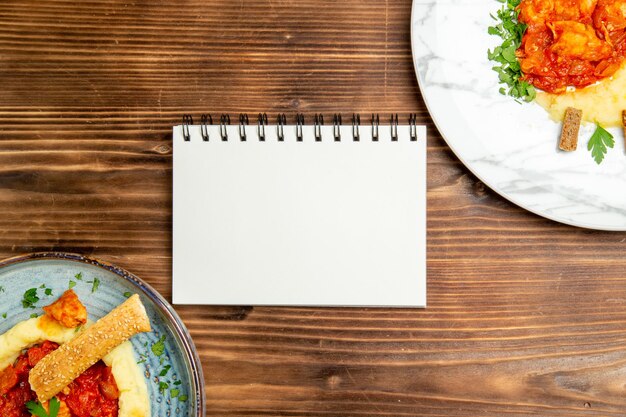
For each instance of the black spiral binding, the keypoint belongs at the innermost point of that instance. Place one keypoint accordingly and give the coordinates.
(318, 121)
(356, 122)
(413, 126)
(224, 120)
(394, 127)
(243, 122)
(187, 121)
(299, 125)
(337, 127)
(205, 120)
(280, 127)
(375, 124)
(262, 122)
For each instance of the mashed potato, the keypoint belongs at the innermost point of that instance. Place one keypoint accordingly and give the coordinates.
(133, 400)
(602, 102)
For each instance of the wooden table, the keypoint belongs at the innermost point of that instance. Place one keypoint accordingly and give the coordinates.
(525, 316)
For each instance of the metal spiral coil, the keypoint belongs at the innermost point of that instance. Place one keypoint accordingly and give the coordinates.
(356, 122)
(205, 120)
(243, 122)
(280, 127)
(187, 121)
(394, 127)
(262, 122)
(318, 121)
(337, 127)
(375, 124)
(299, 125)
(224, 120)
(413, 126)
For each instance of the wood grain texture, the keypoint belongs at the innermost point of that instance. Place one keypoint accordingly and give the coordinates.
(525, 316)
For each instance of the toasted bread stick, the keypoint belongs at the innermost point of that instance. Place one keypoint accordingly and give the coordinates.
(60, 367)
(569, 133)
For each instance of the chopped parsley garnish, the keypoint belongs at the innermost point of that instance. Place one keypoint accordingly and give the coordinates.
(48, 291)
(165, 370)
(72, 284)
(1, 289)
(599, 142)
(158, 348)
(36, 409)
(163, 386)
(79, 276)
(4, 315)
(30, 298)
(174, 392)
(127, 294)
(95, 285)
(182, 398)
(511, 30)
(32, 316)
(178, 382)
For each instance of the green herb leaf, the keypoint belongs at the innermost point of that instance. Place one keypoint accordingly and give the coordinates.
(30, 298)
(174, 392)
(163, 386)
(182, 398)
(598, 143)
(48, 291)
(511, 30)
(72, 284)
(127, 294)
(54, 406)
(95, 285)
(79, 276)
(32, 316)
(178, 382)
(35, 408)
(1, 289)
(4, 315)
(158, 348)
(165, 370)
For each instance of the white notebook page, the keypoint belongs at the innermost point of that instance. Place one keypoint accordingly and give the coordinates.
(299, 223)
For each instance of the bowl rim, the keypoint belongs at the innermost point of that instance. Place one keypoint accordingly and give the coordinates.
(164, 306)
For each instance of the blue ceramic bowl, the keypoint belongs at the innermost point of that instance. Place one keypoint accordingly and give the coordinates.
(101, 287)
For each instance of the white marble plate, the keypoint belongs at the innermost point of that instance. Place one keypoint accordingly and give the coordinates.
(511, 147)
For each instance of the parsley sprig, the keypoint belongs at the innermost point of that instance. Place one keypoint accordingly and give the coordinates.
(30, 298)
(511, 30)
(37, 409)
(599, 142)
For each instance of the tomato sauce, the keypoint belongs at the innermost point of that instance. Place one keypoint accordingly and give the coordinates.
(92, 394)
(571, 42)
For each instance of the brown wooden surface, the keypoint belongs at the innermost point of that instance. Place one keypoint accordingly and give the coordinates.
(525, 316)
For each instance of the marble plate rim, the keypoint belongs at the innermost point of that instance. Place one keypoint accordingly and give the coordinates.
(468, 165)
(189, 349)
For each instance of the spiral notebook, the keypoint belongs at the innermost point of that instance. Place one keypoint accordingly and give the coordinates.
(299, 214)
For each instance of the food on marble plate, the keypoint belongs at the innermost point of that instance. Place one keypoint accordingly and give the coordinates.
(569, 132)
(59, 364)
(564, 54)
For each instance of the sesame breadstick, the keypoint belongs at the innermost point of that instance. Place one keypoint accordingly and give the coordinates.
(56, 370)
